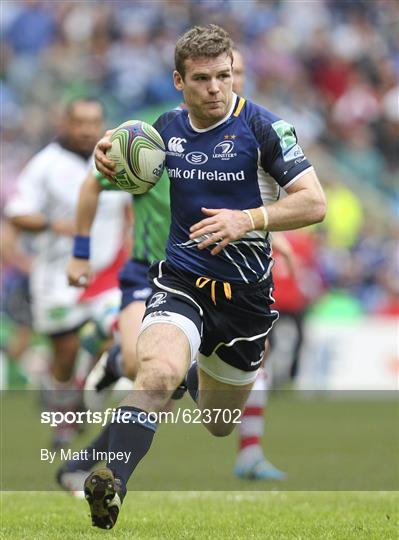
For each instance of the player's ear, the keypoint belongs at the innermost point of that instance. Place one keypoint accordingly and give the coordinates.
(178, 81)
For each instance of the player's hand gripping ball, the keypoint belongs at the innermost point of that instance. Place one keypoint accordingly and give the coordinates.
(139, 154)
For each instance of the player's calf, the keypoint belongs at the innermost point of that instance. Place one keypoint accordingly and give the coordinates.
(221, 403)
(219, 422)
(220, 430)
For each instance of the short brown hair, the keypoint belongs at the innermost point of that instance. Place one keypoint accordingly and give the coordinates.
(202, 41)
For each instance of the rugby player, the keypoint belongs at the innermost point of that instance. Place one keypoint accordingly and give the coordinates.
(227, 160)
(150, 232)
(44, 204)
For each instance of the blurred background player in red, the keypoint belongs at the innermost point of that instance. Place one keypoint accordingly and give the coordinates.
(296, 291)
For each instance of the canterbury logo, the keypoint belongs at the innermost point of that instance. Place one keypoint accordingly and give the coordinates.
(175, 144)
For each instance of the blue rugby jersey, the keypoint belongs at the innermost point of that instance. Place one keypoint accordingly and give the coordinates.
(240, 162)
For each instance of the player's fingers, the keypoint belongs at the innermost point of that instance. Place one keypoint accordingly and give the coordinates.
(212, 239)
(210, 229)
(105, 170)
(105, 143)
(104, 146)
(205, 243)
(221, 245)
(210, 211)
(109, 169)
(105, 162)
(203, 223)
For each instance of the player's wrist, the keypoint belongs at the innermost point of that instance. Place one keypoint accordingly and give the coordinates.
(258, 218)
(81, 247)
(250, 219)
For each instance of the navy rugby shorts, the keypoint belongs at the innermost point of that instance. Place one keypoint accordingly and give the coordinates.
(232, 320)
(133, 282)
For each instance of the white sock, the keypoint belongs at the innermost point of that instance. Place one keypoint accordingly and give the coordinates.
(251, 428)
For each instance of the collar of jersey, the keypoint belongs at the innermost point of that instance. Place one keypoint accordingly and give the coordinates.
(213, 126)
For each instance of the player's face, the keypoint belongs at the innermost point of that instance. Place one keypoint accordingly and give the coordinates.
(207, 88)
(83, 126)
(238, 73)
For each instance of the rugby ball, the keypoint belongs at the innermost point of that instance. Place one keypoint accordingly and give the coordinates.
(139, 154)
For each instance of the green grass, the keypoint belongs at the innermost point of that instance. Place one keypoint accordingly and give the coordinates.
(208, 515)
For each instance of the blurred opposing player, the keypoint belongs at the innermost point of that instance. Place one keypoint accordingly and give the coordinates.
(44, 203)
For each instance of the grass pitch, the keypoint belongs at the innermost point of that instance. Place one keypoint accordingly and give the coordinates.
(208, 515)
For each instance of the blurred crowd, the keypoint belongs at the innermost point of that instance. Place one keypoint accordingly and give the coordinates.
(330, 67)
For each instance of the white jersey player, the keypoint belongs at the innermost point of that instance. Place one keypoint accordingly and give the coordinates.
(44, 203)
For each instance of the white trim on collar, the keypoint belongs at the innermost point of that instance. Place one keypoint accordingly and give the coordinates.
(213, 126)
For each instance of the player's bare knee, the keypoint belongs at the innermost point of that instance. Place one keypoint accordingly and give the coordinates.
(160, 375)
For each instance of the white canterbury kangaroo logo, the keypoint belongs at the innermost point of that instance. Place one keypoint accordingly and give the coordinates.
(175, 144)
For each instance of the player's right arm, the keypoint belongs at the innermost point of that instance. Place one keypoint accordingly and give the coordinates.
(79, 270)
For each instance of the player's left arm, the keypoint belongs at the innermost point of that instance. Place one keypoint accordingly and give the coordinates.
(304, 205)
